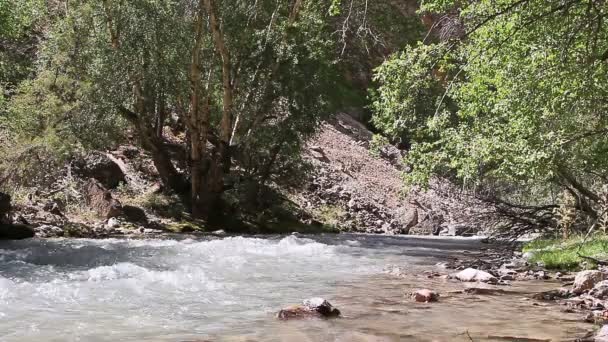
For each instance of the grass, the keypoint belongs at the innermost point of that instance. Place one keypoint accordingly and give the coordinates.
(564, 254)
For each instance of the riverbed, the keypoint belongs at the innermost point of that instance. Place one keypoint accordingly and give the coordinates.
(228, 289)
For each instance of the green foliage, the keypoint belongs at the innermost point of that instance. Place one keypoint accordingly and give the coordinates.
(331, 215)
(407, 92)
(564, 254)
(523, 97)
(377, 143)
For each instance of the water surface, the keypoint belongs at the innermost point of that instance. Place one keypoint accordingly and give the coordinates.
(229, 289)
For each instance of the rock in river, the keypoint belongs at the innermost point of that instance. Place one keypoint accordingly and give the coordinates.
(310, 308)
(471, 274)
(586, 280)
(424, 296)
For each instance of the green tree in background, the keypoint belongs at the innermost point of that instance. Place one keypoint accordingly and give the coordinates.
(250, 81)
(518, 96)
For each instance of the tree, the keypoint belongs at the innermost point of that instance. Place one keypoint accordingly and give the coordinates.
(248, 80)
(522, 96)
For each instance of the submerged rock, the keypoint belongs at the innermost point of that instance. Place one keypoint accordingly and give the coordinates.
(586, 280)
(424, 296)
(16, 232)
(310, 308)
(473, 275)
(484, 291)
(560, 293)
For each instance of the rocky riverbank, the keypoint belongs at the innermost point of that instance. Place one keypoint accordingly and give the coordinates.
(493, 271)
(349, 185)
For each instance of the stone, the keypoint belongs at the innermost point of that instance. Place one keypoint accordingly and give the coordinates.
(100, 200)
(310, 308)
(586, 280)
(602, 334)
(473, 275)
(424, 296)
(16, 231)
(48, 231)
(113, 222)
(600, 290)
(408, 218)
(99, 166)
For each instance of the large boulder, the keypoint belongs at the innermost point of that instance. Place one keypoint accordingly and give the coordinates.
(100, 200)
(600, 290)
(408, 218)
(473, 275)
(15, 231)
(310, 308)
(99, 166)
(586, 280)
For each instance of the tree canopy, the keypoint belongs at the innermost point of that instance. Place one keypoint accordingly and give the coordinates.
(518, 95)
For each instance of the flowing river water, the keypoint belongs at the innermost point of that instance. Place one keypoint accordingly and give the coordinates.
(228, 289)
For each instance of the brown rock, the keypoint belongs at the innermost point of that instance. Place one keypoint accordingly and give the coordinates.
(310, 308)
(424, 296)
(100, 200)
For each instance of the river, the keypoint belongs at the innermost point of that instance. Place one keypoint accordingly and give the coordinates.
(228, 289)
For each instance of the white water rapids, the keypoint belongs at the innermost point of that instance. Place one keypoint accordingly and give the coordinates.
(210, 289)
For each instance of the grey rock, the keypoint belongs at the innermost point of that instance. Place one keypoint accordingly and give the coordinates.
(600, 290)
(48, 231)
(586, 280)
(473, 275)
